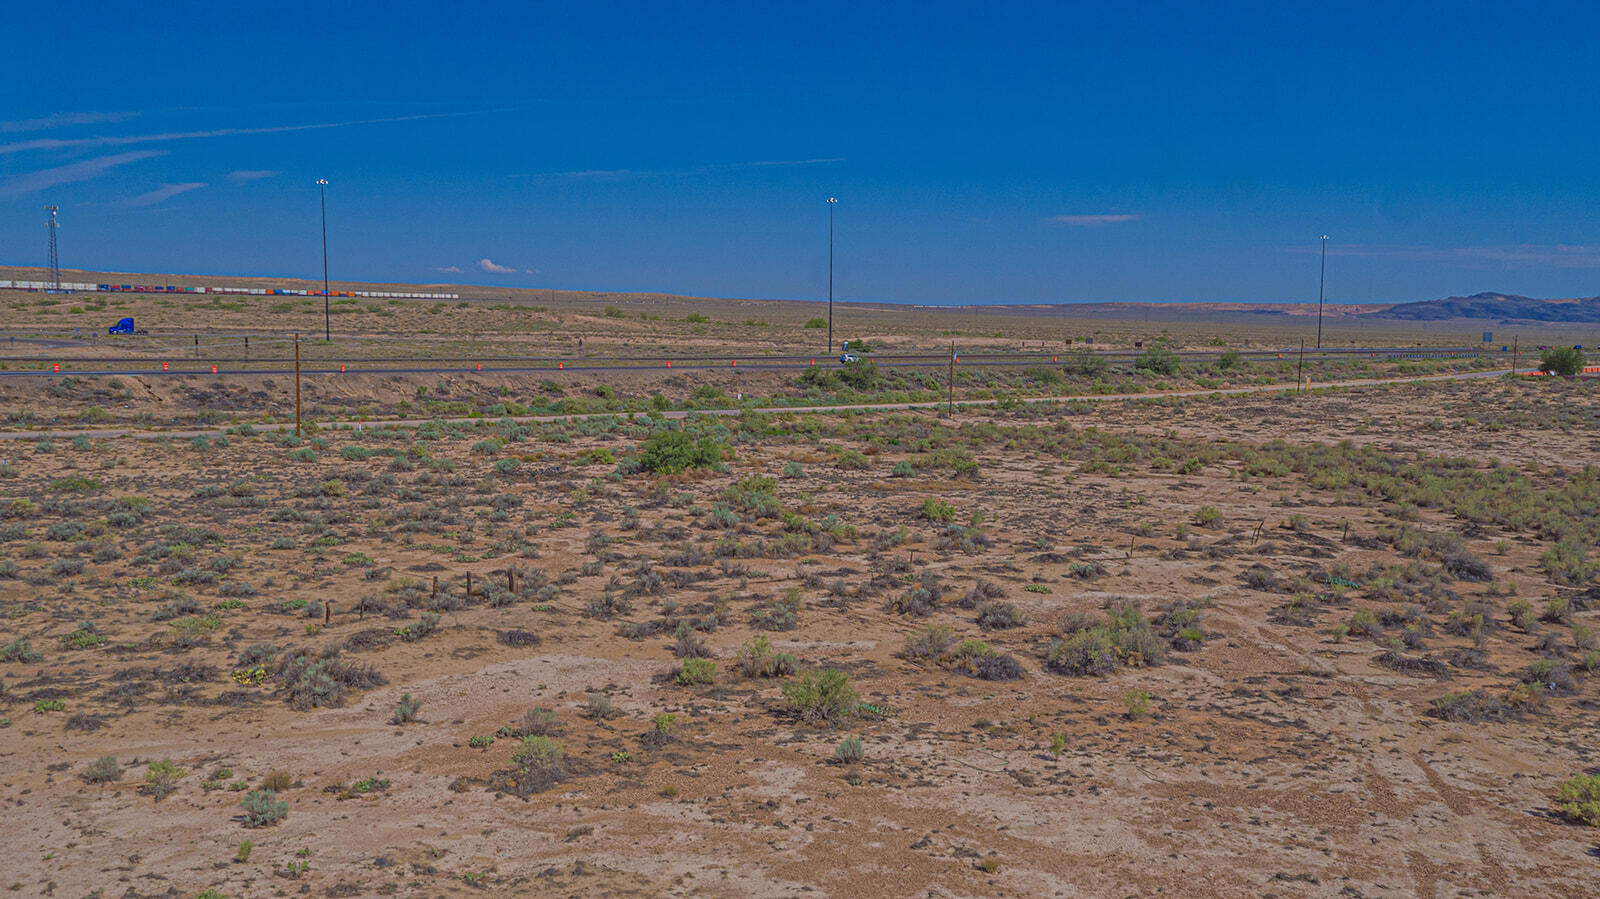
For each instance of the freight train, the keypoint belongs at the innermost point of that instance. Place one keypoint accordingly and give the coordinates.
(244, 291)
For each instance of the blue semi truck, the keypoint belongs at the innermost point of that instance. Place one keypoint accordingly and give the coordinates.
(125, 326)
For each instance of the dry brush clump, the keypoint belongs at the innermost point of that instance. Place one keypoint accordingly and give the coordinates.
(1123, 637)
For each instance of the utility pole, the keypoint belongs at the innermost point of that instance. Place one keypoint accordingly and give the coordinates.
(1514, 354)
(950, 404)
(831, 202)
(327, 314)
(297, 384)
(1321, 282)
(1300, 378)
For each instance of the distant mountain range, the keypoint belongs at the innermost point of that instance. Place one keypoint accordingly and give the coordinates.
(1496, 306)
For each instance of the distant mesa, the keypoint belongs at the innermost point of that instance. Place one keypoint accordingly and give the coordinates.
(1496, 306)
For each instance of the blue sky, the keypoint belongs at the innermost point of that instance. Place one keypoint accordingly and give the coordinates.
(980, 153)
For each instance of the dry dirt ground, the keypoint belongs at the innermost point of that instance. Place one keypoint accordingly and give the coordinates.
(1347, 648)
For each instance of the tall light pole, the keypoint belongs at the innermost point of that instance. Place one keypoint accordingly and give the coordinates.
(1322, 280)
(327, 313)
(831, 202)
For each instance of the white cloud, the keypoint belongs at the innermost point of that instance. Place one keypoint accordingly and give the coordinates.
(1094, 220)
(489, 266)
(452, 269)
(242, 175)
(84, 170)
(531, 271)
(164, 193)
(66, 120)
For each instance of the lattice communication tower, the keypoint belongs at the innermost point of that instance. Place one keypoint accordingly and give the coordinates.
(55, 261)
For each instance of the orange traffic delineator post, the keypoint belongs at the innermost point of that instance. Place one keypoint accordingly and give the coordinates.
(163, 366)
(480, 366)
(213, 369)
(1055, 358)
(736, 363)
(341, 366)
(813, 362)
(56, 366)
(561, 365)
(669, 363)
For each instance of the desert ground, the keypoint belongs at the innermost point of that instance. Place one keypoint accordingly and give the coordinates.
(549, 638)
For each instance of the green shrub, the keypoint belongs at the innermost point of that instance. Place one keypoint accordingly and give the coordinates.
(937, 510)
(102, 770)
(19, 650)
(902, 469)
(535, 722)
(1520, 611)
(930, 642)
(757, 659)
(1579, 799)
(697, 671)
(822, 696)
(1364, 623)
(161, 778)
(850, 750)
(1125, 637)
(405, 711)
(670, 452)
(263, 808)
(1087, 652)
(816, 322)
(1137, 702)
(538, 764)
(1158, 360)
(1565, 361)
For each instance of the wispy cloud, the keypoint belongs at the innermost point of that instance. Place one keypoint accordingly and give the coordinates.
(66, 120)
(240, 176)
(68, 143)
(601, 174)
(83, 170)
(1520, 255)
(619, 174)
(764, 163)
(490, 266)
(450, 269)
(1093, 220)
(164, 193)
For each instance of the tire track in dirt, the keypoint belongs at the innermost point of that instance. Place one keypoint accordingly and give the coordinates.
(1463, 807)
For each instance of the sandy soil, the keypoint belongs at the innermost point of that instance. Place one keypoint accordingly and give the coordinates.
(1278, 758)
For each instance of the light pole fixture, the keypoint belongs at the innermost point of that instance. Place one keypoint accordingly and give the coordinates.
(831, 202)
(1322, 280)
(327, 313)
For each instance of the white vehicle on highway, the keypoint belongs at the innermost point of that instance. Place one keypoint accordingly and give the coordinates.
(849, 357)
